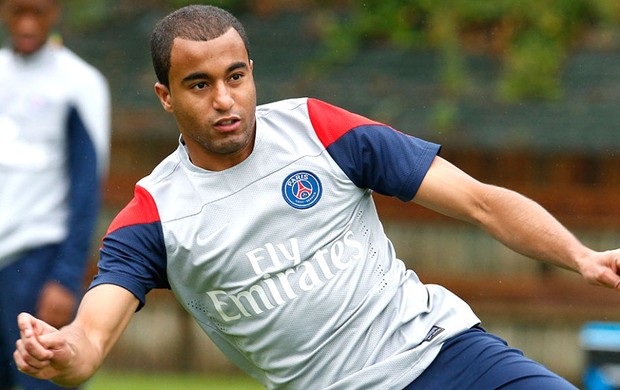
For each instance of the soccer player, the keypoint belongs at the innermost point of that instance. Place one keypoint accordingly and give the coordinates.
(54, 146)
(262, 223)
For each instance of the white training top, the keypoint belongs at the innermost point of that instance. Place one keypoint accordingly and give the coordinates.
(54, 147)
(282, 259)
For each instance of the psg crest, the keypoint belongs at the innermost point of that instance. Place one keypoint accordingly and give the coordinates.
(302, 189)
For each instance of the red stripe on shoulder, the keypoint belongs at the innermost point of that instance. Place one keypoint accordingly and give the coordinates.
(140, 210)
(331, 122)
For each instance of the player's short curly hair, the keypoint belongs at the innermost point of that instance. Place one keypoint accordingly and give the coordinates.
(194, 22)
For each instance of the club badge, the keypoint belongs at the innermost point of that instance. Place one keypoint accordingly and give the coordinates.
(302, 189)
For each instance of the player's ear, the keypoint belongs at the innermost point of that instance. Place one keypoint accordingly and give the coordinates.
(163, 93)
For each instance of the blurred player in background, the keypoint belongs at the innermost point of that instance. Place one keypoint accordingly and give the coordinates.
(54, 147)
(262, 223)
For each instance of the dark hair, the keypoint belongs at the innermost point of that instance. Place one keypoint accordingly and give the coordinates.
(194, 22)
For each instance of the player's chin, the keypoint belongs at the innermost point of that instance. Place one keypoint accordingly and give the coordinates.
(27, 46)
(231, 144)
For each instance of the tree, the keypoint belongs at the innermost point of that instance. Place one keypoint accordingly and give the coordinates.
(531, 38)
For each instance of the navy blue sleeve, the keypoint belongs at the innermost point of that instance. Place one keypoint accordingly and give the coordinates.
(83, 203)
(385, 160)
(370, 153)
(133, 255)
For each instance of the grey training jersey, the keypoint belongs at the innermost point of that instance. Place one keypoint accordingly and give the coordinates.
(282, 259)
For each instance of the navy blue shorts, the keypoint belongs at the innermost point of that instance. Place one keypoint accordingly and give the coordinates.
(20, 285)
(479, 360)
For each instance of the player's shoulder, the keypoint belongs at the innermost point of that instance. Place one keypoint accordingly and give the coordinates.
(5, 58)
(308, 105)
(172, 187)
(74, 65)
(281, 106)
(163, 172)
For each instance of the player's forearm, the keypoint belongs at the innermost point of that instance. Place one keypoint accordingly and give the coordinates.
(103, 315)
(526, 227)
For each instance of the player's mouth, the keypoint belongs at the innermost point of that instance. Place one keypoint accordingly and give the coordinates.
(229, 124)
(26, 44)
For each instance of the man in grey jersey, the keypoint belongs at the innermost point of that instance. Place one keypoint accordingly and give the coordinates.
(263, 216)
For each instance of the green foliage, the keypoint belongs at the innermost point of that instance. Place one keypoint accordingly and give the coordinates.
(531, 38)
(82, 15)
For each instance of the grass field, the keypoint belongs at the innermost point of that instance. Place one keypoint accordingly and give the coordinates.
(106, 380)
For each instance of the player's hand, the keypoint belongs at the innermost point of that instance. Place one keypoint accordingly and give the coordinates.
(42, 351)
(56, 305)
(603, 269)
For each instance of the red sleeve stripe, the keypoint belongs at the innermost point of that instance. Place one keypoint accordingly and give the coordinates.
(140, 210)
(331, 123)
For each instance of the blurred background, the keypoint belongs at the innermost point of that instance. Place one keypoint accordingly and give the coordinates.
(520, 93)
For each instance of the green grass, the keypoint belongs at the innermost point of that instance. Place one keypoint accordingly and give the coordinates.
(107, 380)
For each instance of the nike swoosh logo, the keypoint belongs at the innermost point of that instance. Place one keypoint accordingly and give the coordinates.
(204, 240)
